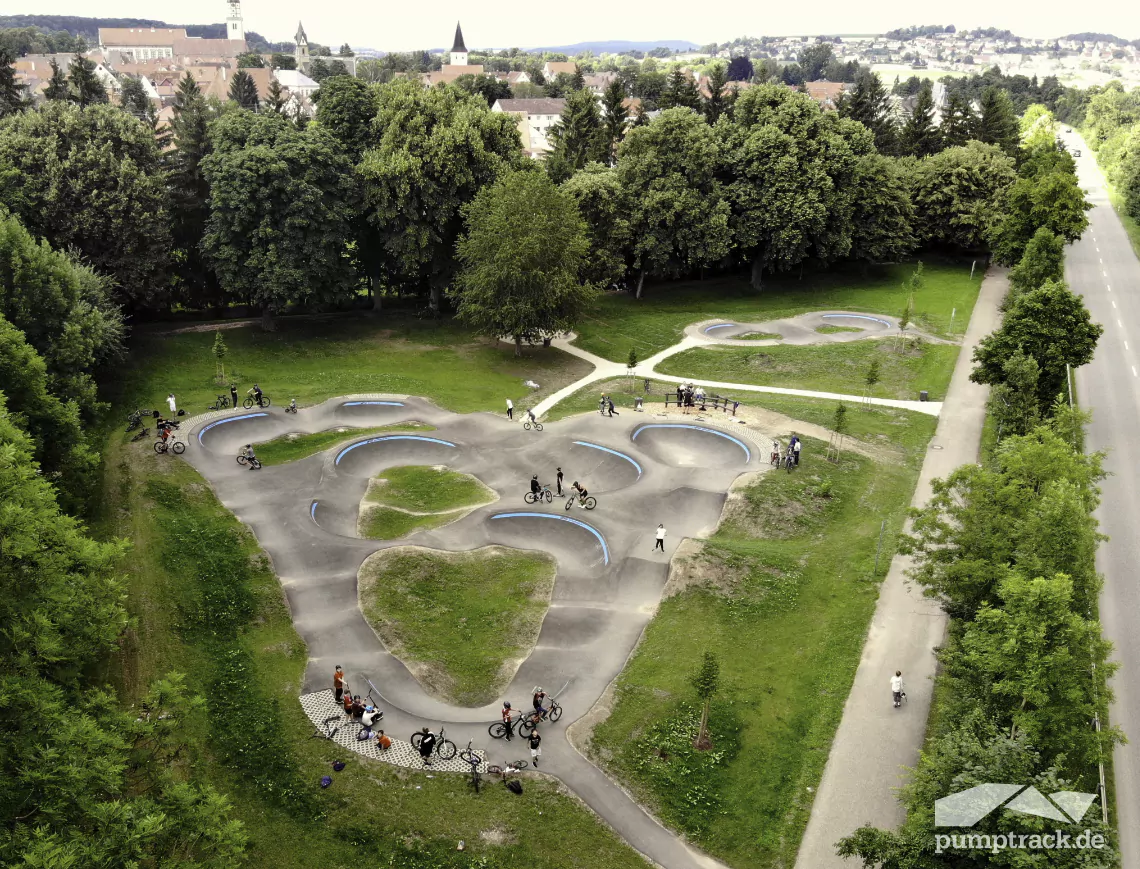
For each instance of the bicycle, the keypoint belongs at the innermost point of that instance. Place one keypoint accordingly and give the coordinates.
(471, 757)
(135, 418)
(221, 402)
(255, 462)
(176, 447)
(444, 747)
(536, 498)
(527, 723)
(142, 433)
(263, 402)
(588, 503)
(774, 459)
(501, 729)
(789, 462)
(527, 425)
(324, 731)
(291, 407)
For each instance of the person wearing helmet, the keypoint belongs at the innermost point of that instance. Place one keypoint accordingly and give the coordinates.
(539, 696)
(250, 458)
(370, 716)
(256, 393)
(581, 492)
(507, 712)
(535, 487)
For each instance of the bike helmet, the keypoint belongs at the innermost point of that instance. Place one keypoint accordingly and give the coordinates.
(506, 704)
(534, 476)
(247, 446)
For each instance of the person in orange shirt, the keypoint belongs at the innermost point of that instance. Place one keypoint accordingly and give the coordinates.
(382, 741)
(347, 703)
(338, 682)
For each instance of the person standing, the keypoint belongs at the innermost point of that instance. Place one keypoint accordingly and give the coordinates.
(233, 394)
(535, 747)
(558, 480)
(510, 409)
(173, 405)
(796, 452)
(427, 745)
(660, 544)
(338, 682)
(897, 688)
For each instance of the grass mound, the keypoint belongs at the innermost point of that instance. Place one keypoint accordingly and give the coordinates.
(835, 330)
(461, 621)
(759, 336)
(417, 498)
(289, 448)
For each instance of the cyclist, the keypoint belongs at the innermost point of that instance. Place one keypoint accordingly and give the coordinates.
(256, 393)
(582, 493)
(507, 718)
(165, 433)
(535, 486)
(536, 700)
(250, 458)
(530, 416)
(775, 458)
(292, 405)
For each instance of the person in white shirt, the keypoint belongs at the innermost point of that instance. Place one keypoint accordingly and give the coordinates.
(371, 716)
(510, 409)
(172, 404)
(796, 454)
(897, 688)
(660, 544)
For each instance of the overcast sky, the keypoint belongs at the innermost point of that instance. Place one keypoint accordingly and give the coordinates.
(403, 25)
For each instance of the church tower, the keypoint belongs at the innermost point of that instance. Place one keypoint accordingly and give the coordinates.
(235, 28)
(458, 49)
(301, 52)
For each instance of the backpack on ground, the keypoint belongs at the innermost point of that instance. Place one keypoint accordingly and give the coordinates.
(514, 786)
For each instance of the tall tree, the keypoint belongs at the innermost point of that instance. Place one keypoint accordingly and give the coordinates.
(814, 59)
(433, 151)
(92, 179)
(870, 105)
(959, 123)
(275, 98)
(250, 60)
(86, 89)
(243, 90)
(615, 118)
(346, 51)
(740, 69)
(577, 138)
(346, 107)
(920, 136)
(680, 91)
(12, 96)
(882, 223)
(1050, 324)
(706, 682)
(520, 259)
(597, 192)
(189, 195)
(1054, 201)
(717, 102)
(57, 89)
(1013, 403)
(1043, 260)
(134, 100)
(998, 122)
(677, 212)
(280, 205)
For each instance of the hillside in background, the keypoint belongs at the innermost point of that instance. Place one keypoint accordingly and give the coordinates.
(615, 46)
(88, 28)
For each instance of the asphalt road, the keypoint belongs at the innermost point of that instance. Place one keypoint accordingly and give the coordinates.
(1103, 269)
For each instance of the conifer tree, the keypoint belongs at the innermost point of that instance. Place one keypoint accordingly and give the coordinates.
(86, 89)
(959, 122)
(616, 117)
(870, 104)
(578, 138)
(12, 97)
(57, 85)
(243, 91)
(920, 135)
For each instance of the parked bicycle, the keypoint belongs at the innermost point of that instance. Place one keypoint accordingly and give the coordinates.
(588, 503)
(140, 435)
(539, 497)
(221, 402)
(444, 747)
(135, 418)
(251, 401)
(169, 446)
(255, 462)
(527, 424)
(470, 756)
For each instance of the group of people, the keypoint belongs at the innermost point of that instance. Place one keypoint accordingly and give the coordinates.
(361, 710)
(689, 396)
(538, 713)
(606, 405)
(794, 446)
(511, 413)
(576, 488)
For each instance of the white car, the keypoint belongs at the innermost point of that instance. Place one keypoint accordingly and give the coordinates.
(1068, 129)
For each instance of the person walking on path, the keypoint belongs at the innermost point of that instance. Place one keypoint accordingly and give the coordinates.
(173, 405)
(660, 544)
(535, 747)
(338, 682)
(610, 406)
(233, 393)
(510, 409)
(558, 480)
(796, 450)
(897, 688)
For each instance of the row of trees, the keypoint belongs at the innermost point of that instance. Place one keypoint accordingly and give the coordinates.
(1008, 548)
(1112, 118)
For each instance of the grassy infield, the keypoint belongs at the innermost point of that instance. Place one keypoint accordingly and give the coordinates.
(787, 622)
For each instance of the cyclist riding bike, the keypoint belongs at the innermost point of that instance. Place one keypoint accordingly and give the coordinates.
(775, 457)
(530, 416)
(250, 458)
(255, 391)
(293, 405)
(582, 493)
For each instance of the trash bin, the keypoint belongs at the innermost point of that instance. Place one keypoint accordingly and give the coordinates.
(924, 396)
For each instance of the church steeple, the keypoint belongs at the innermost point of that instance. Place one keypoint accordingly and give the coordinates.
(301, 52)
(458, 49)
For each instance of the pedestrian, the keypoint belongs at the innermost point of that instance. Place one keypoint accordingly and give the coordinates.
(510, 409)
(647, 385)
(535, 747)
(796, 452)
(233, 393)
(558, 481)
(735, 405)
(897, 688)
(173, 405)
(610, 405)
(338, 682)
(660, 544)
(427, 745)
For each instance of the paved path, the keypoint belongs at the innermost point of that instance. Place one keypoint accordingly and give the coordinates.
(1102, 268)
(875, 740)
(697, 335)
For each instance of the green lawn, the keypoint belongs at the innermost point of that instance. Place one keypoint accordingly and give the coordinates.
(759, 336)
(904, 369)
(620, 322)
(834, 330)
(383, 523)
(290, 448)
(783, 596)
(427, 489)
(383, 814)
(461, 620)
(621, 389)
(312, 360)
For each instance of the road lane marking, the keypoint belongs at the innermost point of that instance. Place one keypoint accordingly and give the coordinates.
(1125, 345)
(1133, 374)
(1114, 303)
(1118, 323)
